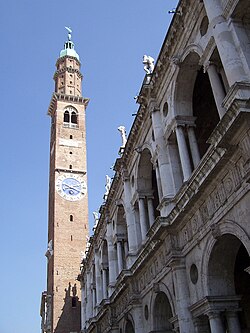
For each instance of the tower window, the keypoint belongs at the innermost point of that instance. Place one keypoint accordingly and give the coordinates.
(71, 136)
(74, 117)
(66, 117)
(74, 302)
(71, 218)
(70, 152)
(71, 238)
(70, 166)
(70, 117)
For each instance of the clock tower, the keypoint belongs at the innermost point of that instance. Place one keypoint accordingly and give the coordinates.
(68, 199)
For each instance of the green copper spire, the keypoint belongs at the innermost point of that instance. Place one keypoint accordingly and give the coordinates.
(69, 47)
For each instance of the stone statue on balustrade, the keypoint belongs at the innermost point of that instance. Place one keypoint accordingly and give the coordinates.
(148, 62)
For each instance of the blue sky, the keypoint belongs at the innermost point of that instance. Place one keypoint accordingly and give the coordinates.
(111, 37)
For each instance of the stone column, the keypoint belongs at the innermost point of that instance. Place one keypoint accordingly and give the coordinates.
(137, 313)
(125, 249)
(130, 218)
(112, 257)
(98, 279)
(143, 219)
(83, 306)
(201, 325)
(217, 87)
(183, 151)
(163, 161)
(158, 178)
(182, 296)
(151, 214)
(88, 297)
(215, 321)
(233, 322)
(104, 282)
(227, 49)
(93, 299)
(193, 146)
(119, 256)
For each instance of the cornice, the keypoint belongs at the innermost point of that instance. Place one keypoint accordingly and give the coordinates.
(61, 59)
(65, 98)
(67, 69)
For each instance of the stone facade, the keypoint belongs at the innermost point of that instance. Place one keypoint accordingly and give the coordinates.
(170, 252)
(68, 200)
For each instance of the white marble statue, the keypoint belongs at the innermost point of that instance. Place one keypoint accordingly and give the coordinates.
(148, 64)
(96, 217)
(69, 32)
(122, 130)
(87, 243)
(108, 185)
(50, 247)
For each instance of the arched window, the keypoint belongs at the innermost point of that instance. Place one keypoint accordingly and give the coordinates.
(73, 117)
(66, 117)
(70, 118)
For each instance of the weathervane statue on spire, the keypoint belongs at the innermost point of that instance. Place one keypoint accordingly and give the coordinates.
(69, 32)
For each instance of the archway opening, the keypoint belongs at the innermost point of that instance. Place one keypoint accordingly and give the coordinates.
(121, 232)
(161, 314)
(228, 278)
(147, 187)
(205, 110)
(129, 328)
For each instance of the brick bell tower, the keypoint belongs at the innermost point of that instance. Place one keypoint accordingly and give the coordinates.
(68, 198)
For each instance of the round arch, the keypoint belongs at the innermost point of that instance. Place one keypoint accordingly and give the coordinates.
(128, 324)
(161, 289)
(185, 81)
(226, 273)
(224, 227)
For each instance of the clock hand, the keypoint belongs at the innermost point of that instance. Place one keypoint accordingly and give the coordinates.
(72, 187)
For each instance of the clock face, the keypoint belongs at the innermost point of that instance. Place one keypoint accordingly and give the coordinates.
(71, 187)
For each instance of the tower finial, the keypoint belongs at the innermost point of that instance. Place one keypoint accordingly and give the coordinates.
(69, 46)
(69, 32)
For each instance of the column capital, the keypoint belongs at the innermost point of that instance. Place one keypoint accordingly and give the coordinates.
(177, 262)
(214, 314)
(153, 106)
(208, 64)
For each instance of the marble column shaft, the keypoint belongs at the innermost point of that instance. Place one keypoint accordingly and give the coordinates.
(143, 221)
(119, 256)
(216, 324)
(130, 218)
(88, 296)
(217, 88)
(193, 146)
(183, 151)
(112, 257)
(224, 40)
(233, 322)
(98, 280)
(104, 282)
(163, 162)
(182, 297)
(151, 214)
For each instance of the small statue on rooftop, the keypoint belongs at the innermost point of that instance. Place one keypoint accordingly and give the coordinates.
(122, 130)
(108, 185)
(69, 32)
(148, 62)
(96, 217)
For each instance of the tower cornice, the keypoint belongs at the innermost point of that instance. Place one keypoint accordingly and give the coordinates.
(62, 59)
(67, 69)
(66, 98)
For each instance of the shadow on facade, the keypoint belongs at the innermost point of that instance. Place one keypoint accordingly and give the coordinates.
(70, 319)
